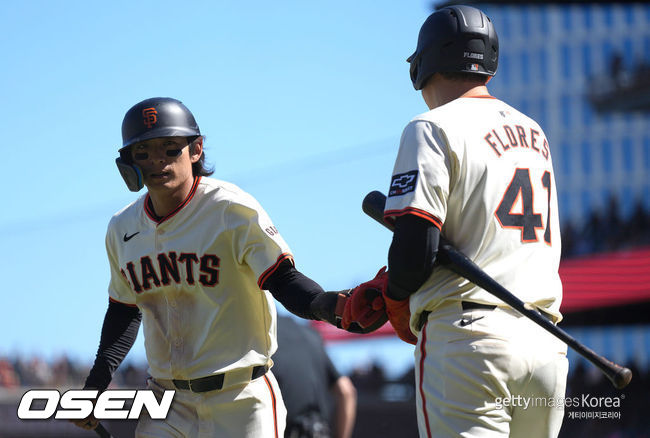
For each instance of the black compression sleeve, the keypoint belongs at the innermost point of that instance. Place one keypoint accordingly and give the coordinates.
(119, 331)
(293, 289)
(411, 255)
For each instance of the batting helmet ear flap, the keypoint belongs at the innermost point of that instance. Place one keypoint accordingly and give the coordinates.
(413, 68)
(131, 174)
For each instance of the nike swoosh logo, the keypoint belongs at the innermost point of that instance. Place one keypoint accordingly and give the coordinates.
(465, 322)
(127, 238)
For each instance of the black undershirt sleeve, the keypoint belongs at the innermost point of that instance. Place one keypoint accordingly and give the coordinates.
(411, 255)
(119, 331)
(293, 289)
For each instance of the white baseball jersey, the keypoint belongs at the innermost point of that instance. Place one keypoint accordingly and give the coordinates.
(482, 172)
(196, 275)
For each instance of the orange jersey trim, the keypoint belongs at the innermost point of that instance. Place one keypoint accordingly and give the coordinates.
(113, 300)
(152, 214)
(388, 215)
(266, 274)
(482, 96)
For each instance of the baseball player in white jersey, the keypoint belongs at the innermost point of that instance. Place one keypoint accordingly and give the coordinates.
(479, 172)
(199, 262)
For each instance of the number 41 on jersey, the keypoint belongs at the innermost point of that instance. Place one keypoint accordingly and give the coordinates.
(521, 187)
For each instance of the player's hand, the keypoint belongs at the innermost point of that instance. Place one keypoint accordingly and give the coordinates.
(360, 310)
(399, 315)
(328, 307)
(88, 423)
(364, 310)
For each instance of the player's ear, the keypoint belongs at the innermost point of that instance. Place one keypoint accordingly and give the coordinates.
(196, 149)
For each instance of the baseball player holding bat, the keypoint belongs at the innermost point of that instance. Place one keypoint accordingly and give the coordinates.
(199, 261)
(480, 172)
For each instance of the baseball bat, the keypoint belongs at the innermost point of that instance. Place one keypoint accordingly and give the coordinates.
(102, 432)
(448, 256)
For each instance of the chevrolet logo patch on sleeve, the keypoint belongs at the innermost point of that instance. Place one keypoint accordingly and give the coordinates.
(403, 183)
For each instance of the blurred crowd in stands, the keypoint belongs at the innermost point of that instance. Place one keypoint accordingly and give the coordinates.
(607, 231)
(35, 372)
(627, 420)
(635, 75)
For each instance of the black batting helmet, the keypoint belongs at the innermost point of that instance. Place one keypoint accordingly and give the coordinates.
(455, 39)
(157, 117)
(153, 118)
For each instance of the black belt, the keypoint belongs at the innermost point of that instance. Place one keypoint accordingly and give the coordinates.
(469, 305)
(214, 382)
(466, 305)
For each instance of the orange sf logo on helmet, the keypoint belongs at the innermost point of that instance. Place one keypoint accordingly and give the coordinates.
(149, 117)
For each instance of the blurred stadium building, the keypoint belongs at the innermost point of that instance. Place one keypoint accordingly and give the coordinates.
(582, 71)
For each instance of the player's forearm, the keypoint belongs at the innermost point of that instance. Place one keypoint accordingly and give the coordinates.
(293, 289)
(411, 255)
(119, 331)
(345, 404)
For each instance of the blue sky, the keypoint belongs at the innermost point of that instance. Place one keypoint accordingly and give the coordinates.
(302, 104)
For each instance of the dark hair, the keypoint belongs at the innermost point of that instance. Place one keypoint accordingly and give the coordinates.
(462, 76)
(199, 168)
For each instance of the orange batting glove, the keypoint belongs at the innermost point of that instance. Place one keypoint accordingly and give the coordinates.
(399, 315)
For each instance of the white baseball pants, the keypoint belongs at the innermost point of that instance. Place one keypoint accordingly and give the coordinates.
(253, 410)
(488, 373)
